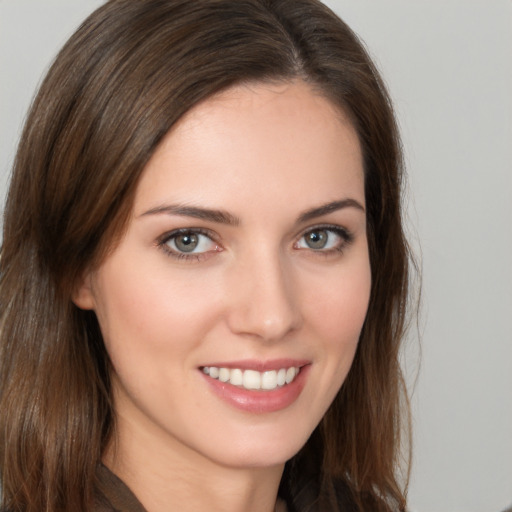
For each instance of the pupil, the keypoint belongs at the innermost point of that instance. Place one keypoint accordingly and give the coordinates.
(317, 239)
(186, 243)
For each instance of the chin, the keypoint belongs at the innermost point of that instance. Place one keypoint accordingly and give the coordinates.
(259, 450)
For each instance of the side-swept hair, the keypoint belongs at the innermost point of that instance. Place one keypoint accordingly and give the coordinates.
(131, 70)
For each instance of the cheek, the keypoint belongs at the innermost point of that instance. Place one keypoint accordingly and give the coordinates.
(340, 306)
(337, 313)
(145, 314)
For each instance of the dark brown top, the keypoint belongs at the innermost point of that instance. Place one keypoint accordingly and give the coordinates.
(112, 494)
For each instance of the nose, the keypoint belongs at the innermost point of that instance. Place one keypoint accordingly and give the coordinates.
(264, 302)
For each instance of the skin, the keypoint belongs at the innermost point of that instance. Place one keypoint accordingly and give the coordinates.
(263, 154)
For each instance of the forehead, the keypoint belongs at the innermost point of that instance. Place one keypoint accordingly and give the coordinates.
(255, 142)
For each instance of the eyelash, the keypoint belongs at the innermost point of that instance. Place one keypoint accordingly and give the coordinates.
(163, 241)
(345, 236)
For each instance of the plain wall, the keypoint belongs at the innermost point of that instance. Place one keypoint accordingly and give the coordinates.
(449, 68)
(448, 64)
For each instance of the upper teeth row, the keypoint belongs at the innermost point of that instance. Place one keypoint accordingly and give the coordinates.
(252, 379)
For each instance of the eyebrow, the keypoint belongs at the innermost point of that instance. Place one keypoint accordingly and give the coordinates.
(329, 208)
(223, 217)
(219, 216)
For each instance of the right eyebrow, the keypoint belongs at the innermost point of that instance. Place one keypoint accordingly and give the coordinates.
(218, 216)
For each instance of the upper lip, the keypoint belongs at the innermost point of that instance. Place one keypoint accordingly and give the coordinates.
(259, 365)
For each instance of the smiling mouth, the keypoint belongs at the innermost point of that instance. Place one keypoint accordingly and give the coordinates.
(253, 380)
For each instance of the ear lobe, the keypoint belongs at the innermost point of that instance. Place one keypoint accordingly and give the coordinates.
(83, 296)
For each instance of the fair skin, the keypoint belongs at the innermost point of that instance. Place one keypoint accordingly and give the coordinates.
(268, 275)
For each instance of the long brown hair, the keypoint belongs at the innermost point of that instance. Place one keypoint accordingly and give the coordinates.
(124, 78)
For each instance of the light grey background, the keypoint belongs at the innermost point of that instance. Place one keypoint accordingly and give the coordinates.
(448, 64)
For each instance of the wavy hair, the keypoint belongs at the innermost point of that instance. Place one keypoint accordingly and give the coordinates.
(127, 75)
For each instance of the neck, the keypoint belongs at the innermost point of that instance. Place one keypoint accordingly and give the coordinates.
(171, 476)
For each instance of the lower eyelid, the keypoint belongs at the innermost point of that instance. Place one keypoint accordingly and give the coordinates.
(191, 256)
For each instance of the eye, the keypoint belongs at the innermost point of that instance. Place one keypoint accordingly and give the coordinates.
(183, 243)
(324, 239)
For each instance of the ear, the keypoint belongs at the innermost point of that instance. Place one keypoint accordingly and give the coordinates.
(83, 296)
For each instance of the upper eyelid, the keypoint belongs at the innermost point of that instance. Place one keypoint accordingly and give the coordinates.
(180, 231)
(327, 227)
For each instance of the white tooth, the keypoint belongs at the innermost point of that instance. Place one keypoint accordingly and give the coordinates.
(224, 374)
(206, 370)
(281, 377)
(214, 372)
(269, 380)
(237, 377)
(252, 379)
(290, 375)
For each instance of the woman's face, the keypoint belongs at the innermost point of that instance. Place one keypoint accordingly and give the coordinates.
(232, 307)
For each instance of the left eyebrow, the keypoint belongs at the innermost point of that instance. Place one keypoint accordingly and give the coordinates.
(329, 208)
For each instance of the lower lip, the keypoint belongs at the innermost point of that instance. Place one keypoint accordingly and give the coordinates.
(260, 401)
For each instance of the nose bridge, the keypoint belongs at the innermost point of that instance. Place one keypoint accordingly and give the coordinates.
(264, 300)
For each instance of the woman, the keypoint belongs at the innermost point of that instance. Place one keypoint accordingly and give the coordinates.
(203, 274)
